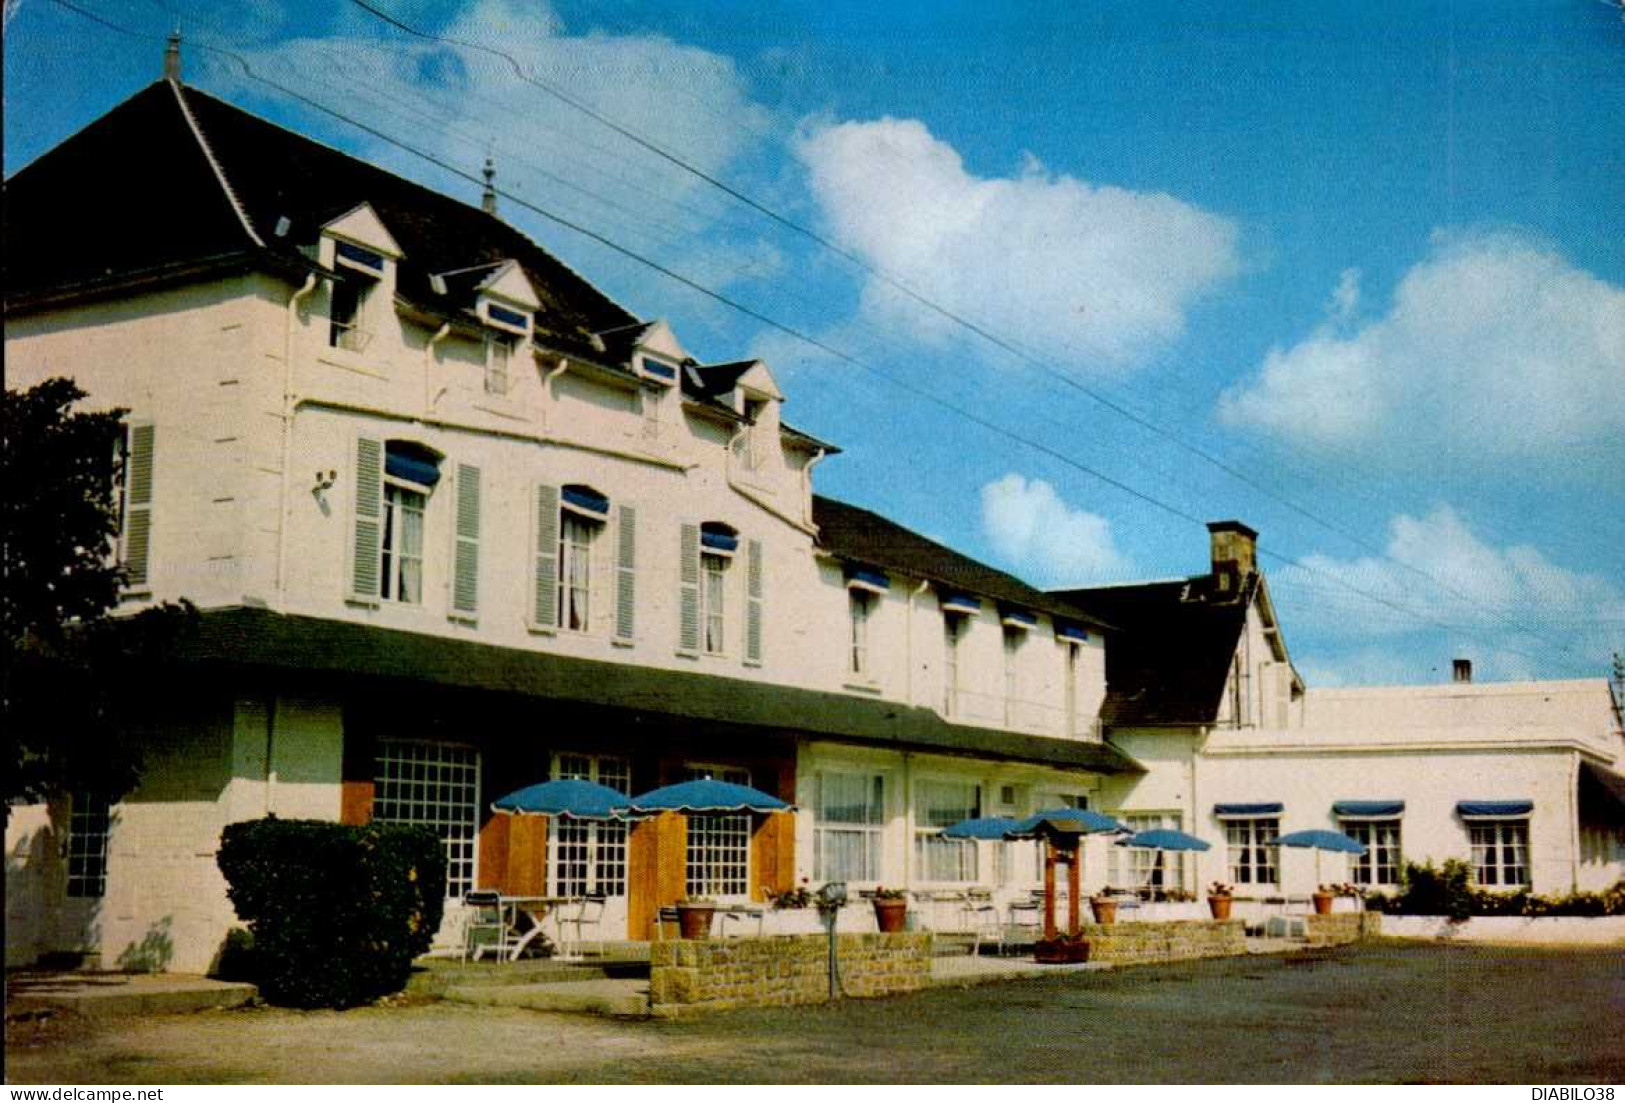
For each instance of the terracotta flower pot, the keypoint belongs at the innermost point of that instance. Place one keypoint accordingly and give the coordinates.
(1323, 903)
(1105, 910)
(694, 920)
(1220, 906)
(890, 915)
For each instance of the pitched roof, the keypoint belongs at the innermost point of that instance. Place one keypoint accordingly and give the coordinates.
(859, 534)
(257, 639)
(137, 191)
(1169, 663)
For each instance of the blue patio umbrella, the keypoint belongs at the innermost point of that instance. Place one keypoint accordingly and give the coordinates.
(1062, 821)
(1163, 838)
(1319, 839)
(982, 827)
(704, 795)
(570, 798)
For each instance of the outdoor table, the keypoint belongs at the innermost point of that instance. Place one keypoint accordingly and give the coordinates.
(535, 909)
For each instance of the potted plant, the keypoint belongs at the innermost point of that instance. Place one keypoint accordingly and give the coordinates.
(694, 915)
(791, 899)
(1323, 897)
(1061, 950)
(1104, 907)
(891, 909)
(1219, 900)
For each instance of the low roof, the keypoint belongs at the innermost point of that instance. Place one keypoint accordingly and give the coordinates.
(860, 534)
(1169, 664)
(260, 639)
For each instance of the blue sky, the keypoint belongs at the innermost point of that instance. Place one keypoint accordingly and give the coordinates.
(1350, 273)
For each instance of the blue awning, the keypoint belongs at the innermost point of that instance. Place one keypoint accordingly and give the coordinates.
(867, 578)
(1368, 809)
(585, 497)
(718, 540)
(1070, 632)
(1017, 618)
(957, 601)
(1266, 808)
(1494, 809)
(419, 469)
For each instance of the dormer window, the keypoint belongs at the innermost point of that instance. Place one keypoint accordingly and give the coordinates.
(347, 310)
(354, 256)
(657, 370)
(512, 320)
(499, 349)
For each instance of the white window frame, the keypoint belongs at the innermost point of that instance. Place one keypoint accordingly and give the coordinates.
(714, 572)
(868, 832)
(954, 627)
(1491, 840)
(1253, 851)
(500, 347)
(930, 848)
(394, 560)
(580, 536)
(1137, 868)
(1379, 867)
(860, 608)
(589, 857)
(718, 860)
(90, 825)
(435, 785)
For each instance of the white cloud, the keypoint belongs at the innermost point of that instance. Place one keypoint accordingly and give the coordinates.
(1494, 349)
(1345, 296)
(1029, 525)
(1096, 275)
(461, 104)
(1484, 594)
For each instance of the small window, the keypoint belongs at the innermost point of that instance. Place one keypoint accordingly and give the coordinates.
(953, 634)
(1501, 853)
(347, 314)
(1254, 855)
(861, 603)
(1012, 651)
(499, 349)
(89, 824)
(1379, 866)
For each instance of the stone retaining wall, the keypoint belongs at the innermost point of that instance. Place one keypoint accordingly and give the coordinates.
(687, 976)
(1338, 928)
(1177, 940)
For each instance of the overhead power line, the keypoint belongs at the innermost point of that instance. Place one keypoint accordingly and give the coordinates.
(781, 327)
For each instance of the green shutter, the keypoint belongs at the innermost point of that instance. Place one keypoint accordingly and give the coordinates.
(365, 562)
(465, 584)
(688, 588)
(138, 506)
(544, 612)
(626, 574)
(753, 601)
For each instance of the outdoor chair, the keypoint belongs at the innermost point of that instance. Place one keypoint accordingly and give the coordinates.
(981, 918)
(484, 926)
(663, 916)
(586, 912)
(737, 914)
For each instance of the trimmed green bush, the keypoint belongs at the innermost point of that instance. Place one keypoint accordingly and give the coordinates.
(337, 912)
(1448, 890)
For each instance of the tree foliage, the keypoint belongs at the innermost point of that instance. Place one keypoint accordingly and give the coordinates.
(68, 666)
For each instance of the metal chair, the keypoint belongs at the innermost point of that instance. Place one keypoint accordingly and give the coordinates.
(485, 926)
(981, 918)
(586, 912)
(664, 915)
(738, 913)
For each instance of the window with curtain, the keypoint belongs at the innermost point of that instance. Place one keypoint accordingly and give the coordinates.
(939, 804)
(1501, 853)
(1254, 855)
(850, 814)
(1379, 866)
(1133, 868)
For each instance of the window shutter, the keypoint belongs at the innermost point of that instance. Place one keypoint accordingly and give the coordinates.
(753, 601)
(138, 506)
(1283, 695)
(465, 583)
(626, 574)
(365, 562)
(688, 588)
(544, 612)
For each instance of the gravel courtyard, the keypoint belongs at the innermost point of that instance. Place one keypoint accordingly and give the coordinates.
(1384, 1011)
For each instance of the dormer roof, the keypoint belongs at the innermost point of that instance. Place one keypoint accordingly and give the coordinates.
(77, 220)
(361, 226)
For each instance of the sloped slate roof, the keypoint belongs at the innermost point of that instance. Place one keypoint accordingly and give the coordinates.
(1169, 662)
(134, 192)
(858, 534)
(257, 639)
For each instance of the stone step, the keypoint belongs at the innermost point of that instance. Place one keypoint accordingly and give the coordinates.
(625, 998)
(435, 977)
(118, 995)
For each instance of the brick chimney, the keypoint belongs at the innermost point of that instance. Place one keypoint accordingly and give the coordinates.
(1235, 555)
(1461, 670)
